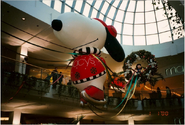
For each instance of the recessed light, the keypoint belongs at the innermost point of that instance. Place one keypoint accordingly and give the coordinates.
(23, 18)
(4, 118)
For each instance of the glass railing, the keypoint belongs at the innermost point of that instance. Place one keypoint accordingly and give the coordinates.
(35, 78)
(68, 91)
(43, 86)
(17, 80)
(27, 79)
(9, 65)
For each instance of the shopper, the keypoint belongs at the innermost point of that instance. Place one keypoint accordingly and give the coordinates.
(158, 93)
(168, 92)
(69, 83)
(55, 76)
(61, 78)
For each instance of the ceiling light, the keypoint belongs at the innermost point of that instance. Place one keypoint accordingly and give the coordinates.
(23, 18)
(4, 118)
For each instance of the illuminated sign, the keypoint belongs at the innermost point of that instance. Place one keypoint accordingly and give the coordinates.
(161, 113)
(174, 70)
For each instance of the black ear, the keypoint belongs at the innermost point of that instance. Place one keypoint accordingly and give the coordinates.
(114, 48)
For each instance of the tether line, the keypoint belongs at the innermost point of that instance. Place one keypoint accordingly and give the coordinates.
(33, 43)
(37, 36)
(33, 57)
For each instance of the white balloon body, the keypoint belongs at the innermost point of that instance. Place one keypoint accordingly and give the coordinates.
(96, 82)
(79, 30)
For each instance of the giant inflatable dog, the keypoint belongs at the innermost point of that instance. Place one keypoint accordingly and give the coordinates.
(87, 36)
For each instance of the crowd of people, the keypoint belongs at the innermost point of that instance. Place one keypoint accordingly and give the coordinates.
(168, 93)
(57, 78)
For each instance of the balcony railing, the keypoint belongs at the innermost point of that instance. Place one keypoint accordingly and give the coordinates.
(15, 79)
(43, 87)
(33, 85)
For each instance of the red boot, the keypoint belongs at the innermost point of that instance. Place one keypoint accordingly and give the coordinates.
(95, 92)
(93, 95)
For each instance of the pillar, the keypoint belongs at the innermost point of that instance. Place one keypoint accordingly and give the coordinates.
(130, 121)
(139, 105)
(21, 67)
(16, 117)
(78, 123)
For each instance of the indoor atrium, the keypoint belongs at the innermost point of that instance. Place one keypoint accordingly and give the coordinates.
(92, 62)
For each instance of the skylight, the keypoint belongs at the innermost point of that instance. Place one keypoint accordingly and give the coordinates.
(138, 22)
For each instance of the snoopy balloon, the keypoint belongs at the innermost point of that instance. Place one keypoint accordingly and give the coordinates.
(87, 36)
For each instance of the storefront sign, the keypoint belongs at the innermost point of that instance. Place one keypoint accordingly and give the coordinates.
(175, 70)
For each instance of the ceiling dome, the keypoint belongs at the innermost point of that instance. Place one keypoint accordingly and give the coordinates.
(138, 22)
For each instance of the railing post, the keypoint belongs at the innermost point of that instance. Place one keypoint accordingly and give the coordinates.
(41, 74)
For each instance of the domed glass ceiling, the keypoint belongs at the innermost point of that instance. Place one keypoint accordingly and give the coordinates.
(138, 22)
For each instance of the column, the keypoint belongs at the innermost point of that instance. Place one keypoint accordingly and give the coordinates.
(21, 67)
(78, 123)
(139, 105)
(16, 117)
(130, 121)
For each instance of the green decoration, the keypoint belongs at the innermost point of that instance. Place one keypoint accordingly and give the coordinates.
(149, 72)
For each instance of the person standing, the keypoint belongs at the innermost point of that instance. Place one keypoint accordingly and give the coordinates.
(158, 93)
(55, 76)
(168, 92)
(168, 95)
(61, 78)
(69, 83)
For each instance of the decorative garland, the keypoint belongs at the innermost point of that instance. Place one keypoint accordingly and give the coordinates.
(148, 72)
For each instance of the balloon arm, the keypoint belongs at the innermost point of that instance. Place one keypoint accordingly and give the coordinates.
(105, 66)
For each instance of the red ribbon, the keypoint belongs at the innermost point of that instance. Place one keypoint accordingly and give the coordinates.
(56, 80)
(17, 90)
(24, 83)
